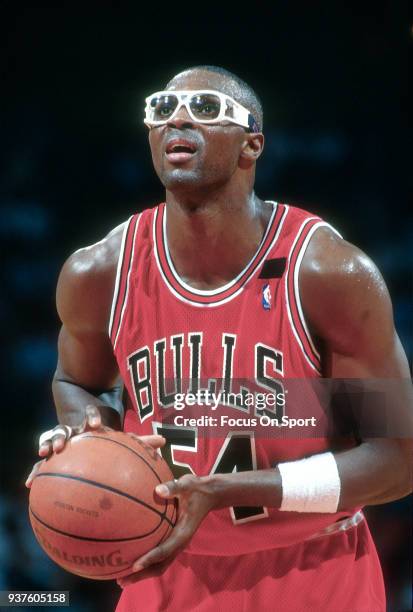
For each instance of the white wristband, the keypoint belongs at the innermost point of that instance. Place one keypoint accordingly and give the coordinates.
(59, 430)
(310, 485)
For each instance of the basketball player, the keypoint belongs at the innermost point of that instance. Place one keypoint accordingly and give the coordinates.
(216, 285)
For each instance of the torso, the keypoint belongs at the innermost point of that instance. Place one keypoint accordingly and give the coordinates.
(248, 336)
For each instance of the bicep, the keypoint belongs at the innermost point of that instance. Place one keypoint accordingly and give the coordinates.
(379, 389)
(372, 361)
(348, 304)
(83, 299)
(348, 307)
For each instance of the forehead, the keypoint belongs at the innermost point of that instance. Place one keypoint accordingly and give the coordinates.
(202, 79)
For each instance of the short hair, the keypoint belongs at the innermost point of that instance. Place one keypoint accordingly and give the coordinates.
(240, 91)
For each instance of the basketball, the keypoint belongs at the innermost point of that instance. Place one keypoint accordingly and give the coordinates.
(93, 507)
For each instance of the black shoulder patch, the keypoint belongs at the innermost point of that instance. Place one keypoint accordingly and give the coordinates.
(273, 268)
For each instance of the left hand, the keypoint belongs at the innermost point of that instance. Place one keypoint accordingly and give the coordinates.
(195, 499)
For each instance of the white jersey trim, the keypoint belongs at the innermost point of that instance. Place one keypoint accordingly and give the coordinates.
(210, 292)
(118, 274)
(125, 301)
(233, 295)
(296, 273)
(296, 286)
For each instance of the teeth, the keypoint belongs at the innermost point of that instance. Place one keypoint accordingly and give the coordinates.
(180, 148)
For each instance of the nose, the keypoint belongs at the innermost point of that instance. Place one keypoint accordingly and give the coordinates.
(181, 120)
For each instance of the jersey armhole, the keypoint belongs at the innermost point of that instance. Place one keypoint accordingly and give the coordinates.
(121, 291)
(294, 307)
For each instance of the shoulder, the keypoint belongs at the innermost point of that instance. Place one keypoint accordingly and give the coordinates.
(86, 283)
(344, 296)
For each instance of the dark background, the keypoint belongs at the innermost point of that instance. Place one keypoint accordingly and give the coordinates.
(333, 78)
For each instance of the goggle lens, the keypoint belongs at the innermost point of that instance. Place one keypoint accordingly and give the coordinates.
(203, 106)
(163, 107)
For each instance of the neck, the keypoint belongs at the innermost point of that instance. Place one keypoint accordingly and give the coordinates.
(211, 239)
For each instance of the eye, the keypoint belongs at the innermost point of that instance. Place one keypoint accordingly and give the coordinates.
(207, 108)
(203, 106)
(165, 110)
(210, 109)
(164, 107)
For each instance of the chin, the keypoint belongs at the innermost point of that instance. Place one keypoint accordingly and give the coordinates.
(180, 178)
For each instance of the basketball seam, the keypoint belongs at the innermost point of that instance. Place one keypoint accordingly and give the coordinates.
(79, 537)
(162, 515)
(128, 448)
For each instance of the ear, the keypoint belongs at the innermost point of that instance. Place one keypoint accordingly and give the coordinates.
(252, 148)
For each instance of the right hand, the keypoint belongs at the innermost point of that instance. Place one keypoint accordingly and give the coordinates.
(55, 442)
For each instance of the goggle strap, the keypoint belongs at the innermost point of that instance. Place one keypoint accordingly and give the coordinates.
(252, 124)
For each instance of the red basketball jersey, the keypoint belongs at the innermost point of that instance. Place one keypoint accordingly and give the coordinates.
(246, 337)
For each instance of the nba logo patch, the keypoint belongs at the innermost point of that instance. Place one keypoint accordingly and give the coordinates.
(266, 297)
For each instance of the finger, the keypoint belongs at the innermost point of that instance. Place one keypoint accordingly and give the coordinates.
(151, 572)
(170, 548)
(45, 448)
(168, 490)
(135, 576)
(33, 473)
(93, 417)
(131, 579)
(155, 441)
(58, 443)
(91, 420)
(59, 435)
(159, 555)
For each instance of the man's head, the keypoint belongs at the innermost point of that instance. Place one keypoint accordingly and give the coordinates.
(229, 83)
(190, 154)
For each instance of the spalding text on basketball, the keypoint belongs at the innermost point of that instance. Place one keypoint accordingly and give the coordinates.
(112, 559)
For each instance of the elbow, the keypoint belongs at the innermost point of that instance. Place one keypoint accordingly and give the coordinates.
(406, 467)
(403, 489)
(406, 484)
(395, 473)
(402, 477)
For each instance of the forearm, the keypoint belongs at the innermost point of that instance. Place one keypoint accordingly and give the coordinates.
(252, 488)
(71, 401)
(375, 472)
(288, 486)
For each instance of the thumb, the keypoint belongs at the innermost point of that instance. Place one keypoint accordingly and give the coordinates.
(92, 420)
(168, 490)
(33, 473)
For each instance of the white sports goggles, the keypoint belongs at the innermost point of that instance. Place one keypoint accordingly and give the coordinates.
(203, 106)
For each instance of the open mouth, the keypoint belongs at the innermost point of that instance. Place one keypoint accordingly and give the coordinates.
(178, 151)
